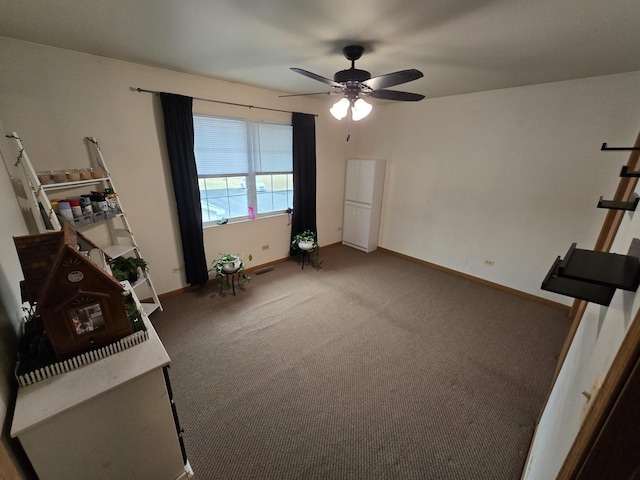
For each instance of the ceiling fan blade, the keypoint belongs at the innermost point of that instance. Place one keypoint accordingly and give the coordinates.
(397, 96)
(306, 94)
(328, 81)
(391, 79)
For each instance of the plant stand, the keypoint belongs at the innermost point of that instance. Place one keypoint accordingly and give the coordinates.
(305, 254)
(230, 275)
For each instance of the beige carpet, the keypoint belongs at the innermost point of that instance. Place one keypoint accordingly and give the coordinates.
(374, 367)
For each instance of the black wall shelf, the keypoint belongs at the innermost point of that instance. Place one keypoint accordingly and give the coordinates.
(591, 292)
(594, 276)
(630, 205)
(626, 173)
(626, 149)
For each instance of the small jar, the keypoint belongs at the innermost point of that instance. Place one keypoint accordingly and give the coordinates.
(44, 177)
(59, 176)
(73, 175)
(97, 173)
(85, 174)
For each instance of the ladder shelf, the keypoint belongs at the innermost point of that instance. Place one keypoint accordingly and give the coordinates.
(121, 236)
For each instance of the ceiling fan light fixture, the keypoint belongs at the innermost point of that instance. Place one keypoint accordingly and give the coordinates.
(360, 109)
(340, 109)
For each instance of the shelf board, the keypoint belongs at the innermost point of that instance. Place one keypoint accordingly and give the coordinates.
(594, 276)
(67, 185)
(606, 147)
(625, 172)
(629, 205)
(115, 251)
(149, 307)
(590, 292)
(602, 268)
(141, 280)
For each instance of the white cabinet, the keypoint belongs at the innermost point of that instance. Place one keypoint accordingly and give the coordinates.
(363, 203)
(356, 225)
(111, 419)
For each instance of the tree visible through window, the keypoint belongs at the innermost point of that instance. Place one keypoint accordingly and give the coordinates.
(242, 164)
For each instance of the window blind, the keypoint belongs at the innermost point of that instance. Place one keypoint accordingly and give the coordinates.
(222, 146)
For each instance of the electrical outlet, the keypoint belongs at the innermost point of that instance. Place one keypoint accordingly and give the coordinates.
(489, 262)
(265, 247)
(176, 269)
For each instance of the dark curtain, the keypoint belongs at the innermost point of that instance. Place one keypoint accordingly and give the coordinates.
(304, 173)
(178, 128)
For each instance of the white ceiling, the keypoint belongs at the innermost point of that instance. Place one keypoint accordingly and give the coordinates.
(460, 46)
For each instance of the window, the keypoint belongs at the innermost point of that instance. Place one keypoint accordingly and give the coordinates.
(242, 164)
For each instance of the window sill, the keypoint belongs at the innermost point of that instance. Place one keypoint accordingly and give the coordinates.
(245, 219)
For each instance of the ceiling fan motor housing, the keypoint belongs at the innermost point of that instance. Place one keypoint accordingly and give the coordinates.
(351, 75)
(352, 53)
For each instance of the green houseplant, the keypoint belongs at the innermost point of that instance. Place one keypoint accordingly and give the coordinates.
(229, 263)
(127, 268)
(306, 243)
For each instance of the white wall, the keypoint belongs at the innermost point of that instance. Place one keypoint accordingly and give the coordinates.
(11, 312)
(592, 351)
(512, 176)
(53, 98)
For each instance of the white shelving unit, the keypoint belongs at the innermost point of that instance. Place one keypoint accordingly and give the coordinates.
(122, 241)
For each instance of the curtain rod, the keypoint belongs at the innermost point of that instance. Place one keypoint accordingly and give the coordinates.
(224, 103)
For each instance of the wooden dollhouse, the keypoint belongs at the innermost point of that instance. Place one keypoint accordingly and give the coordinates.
(80, 304)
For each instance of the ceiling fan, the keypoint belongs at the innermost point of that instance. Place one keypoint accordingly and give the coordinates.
(356, 84)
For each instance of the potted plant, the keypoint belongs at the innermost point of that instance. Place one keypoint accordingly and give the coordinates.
(305, 243)
(127, 268)
(229, 263)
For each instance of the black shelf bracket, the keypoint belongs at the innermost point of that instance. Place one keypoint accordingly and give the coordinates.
(605, 147)
(625, 172)
(629, 205)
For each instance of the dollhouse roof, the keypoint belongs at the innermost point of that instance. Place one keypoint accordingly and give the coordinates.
(40, 256)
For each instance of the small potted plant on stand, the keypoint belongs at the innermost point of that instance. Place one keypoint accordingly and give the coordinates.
(230, 264)
(305, 243)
